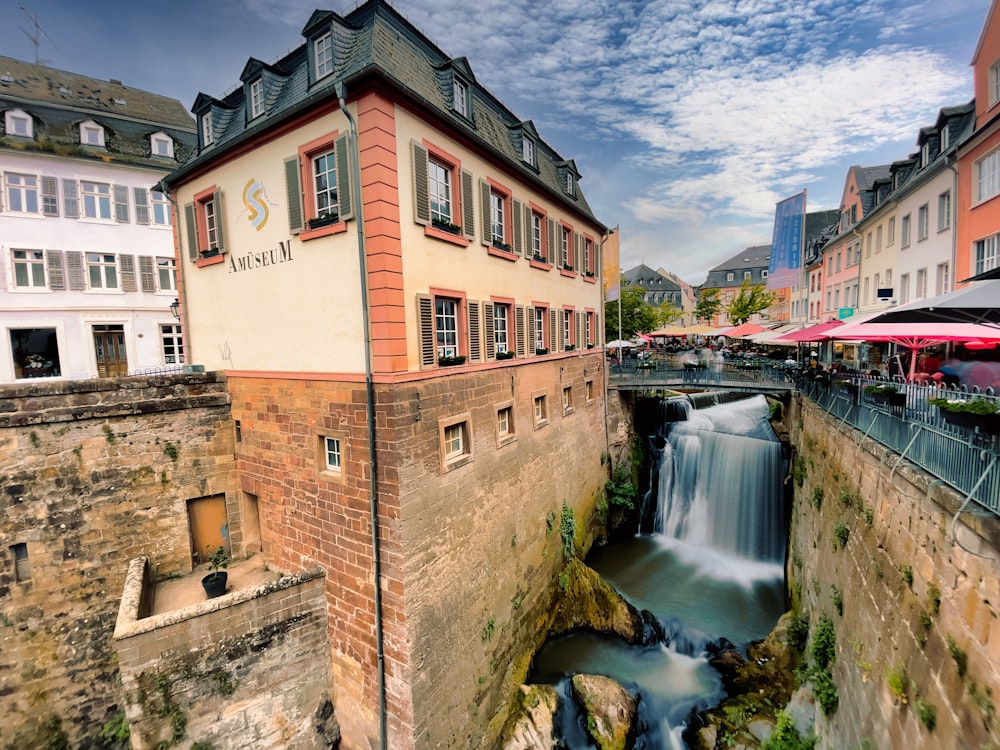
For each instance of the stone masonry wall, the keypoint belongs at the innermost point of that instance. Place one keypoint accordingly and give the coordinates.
(913, 596)
(246, 671)
(92, 474)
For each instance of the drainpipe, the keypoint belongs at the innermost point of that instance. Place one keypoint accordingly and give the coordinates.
(370, 408)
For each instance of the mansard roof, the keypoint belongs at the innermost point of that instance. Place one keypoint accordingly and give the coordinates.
(757, 256)
(374, 41)
(650, 280)
(58, 101)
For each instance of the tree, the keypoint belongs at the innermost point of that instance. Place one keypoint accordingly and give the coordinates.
(708, 305)
(749, 300)
(667, 314)
(638, 316)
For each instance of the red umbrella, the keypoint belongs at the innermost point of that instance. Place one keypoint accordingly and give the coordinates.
(818, 332)
(744, 329)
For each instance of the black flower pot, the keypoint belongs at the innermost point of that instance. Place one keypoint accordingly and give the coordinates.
(215, 584)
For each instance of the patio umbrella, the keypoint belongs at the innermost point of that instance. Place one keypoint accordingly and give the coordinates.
(818, 332)
(916, 336)
(619, 344)
(993, 273)
(744, 329)
(978, 304)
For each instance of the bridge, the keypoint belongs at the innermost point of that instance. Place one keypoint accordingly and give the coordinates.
(653, 375)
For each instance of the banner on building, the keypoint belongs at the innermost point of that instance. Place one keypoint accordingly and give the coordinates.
(786, 243)
(610, 270)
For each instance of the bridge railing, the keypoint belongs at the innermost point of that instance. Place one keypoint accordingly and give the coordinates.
(956, 442)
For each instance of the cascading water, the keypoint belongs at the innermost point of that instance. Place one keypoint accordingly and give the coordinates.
(708, 563)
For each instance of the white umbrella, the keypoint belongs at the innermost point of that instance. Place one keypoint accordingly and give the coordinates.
(619, 344)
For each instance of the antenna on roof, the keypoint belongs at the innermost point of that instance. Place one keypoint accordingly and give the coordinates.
(36, 37)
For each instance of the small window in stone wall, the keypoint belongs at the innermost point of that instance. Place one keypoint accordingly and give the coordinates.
(239, 431)
(22, 568)
(589, 389)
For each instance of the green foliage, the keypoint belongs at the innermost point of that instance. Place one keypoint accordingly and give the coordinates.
(774, 410)
(799, 470)
(218, 560)
(798, 631)
(708, 305)
(984, 700)
(488, 629)
(513, 540)
(109, 434)
(907, 573)
(787, 737)
(564, 581)
(925, 620)
(516, 602)
(550, 522)
(202, 746)
(880, 390)
(934, 597)
(33, 438)
(55, 738)
(823, 648)
(567, 528)
(171, 451)
(751, 299)
(817, 497)
(927, 713)
(620, 488)
(825, 690)
(838, 599)
(846, 497)
(841, 533)
(115, 734)
(869, 516)
(899, 683)
(637, 315)
(969, 406)
(960, 657)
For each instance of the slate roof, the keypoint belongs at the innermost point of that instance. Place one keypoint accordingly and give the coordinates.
(374, 40)
(58, 101)
(650, 280)
(757, 256)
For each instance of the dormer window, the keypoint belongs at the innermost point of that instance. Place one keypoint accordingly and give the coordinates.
(257, 98)
(207, 133)
(925, 154)
(162, 145)
(461, 93)
(19, 123)
(570, 183)
(528, 151)
(323, 55)
(91, 134)
(944, 138)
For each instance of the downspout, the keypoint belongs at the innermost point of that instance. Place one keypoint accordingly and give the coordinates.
(370, 408)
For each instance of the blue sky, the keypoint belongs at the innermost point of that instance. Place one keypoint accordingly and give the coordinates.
(689, 119)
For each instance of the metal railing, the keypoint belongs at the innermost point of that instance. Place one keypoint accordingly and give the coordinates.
(960, 449)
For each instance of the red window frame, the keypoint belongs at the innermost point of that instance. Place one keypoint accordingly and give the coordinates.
(201, 201)
(454, 165)
(508, 228)
(568, 316)
(462, 318)
(542, 215)
(544, 307)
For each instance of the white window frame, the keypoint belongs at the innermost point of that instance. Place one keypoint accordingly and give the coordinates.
(96, 200)
(528, 150)
(33, 264)
(106, 267)
(324, 183)
(207, 130)
(923, 222)
(904, 232)
(987, 176)
(890, 232)
(994, 83)
(162, 210)
(506, 425)
(985, 253)
(943, 278)
(256, 97)
(91, 134)
(501, 327)
(333, 457)
(921, 290)
(19, 123)
(539, 408)
(455, 441)
(461, 94)
(541, 315)
(730, 276)
(166, 270)
(498, 231)
(565, 241)
(211, 223)
(172, 344)
(567, 399)
(440, 189)
(537, 232)
(25, 187)
(446, 311)
(161, 145)
(323, 55)
(944, 211)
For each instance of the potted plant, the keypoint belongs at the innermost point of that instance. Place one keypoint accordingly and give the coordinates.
(538, 257)
(215, 582)
(501, 245)
(451, 361)
(324, 219)
(505, 355)
(539, 350)
(971, 413)
(880, 394)
(446, 226)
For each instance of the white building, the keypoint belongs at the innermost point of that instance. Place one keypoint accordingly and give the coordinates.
(88, 274)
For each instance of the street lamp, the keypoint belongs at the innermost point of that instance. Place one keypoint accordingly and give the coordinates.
(175, 309)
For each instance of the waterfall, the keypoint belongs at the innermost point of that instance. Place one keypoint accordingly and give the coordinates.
(717, 480)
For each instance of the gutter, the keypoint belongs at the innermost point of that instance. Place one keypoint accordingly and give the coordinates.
(370, 409)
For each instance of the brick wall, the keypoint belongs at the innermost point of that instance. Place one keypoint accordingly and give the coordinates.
(469, 551)
(92, 474)
(247, 671)
(900, 557)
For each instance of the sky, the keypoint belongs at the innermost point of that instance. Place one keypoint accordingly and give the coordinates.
(688, 119)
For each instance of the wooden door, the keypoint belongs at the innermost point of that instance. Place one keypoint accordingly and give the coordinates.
(209, 526)
(109, 346)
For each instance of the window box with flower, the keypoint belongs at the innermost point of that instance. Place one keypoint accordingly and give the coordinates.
(325, 219)
(446, 226)
(449, 361)
(505, 355)
(970, 413)
(501, 245)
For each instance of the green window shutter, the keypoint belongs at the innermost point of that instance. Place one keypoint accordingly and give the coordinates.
(529, 314)
(121, 204)
(293, 188)
(54, 264)
(475, 333)
(219, 220)
(127, 263)
(191, 224)
(50, 196)
(141, 196)
(345, 198)
(490, 334)
(518, 243)
(553, 243)
(147, 279)
(519, 329)
(71, 202)
(468, 209)
(421, 187)
(74, 271)
(553, 340)
(484, 205)
(425, 331)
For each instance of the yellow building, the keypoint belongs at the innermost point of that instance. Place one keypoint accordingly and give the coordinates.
(400, 279)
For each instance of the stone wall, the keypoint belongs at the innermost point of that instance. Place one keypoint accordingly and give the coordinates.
(246, 671)
(469, 547)
(92, 474)
(914, 596)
